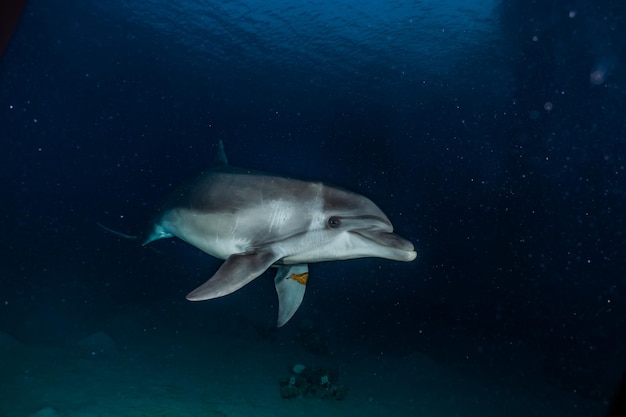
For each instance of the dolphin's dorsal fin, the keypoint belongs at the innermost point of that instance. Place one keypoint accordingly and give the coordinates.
(220, 155)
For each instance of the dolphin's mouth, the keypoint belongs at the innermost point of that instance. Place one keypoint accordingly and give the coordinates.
(403, 249)
(386, 239)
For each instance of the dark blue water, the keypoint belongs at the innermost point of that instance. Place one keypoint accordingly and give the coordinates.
(492, 134)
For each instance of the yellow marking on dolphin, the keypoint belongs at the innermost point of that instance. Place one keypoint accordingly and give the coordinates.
(300, 278)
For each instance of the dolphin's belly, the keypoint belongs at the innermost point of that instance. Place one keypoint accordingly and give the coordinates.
(222, 234)
(213, 233)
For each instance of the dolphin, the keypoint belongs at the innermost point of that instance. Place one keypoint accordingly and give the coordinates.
(255, 221)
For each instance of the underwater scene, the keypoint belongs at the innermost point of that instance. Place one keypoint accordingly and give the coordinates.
(286, 208)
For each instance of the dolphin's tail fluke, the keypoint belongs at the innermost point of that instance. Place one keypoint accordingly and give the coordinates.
(116, 233)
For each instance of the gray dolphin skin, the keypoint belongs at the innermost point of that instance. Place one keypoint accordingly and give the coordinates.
(255, 221)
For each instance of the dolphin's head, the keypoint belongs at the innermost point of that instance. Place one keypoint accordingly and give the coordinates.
(360, 229)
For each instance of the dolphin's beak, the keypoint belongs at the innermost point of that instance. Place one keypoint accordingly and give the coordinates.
(395, 247)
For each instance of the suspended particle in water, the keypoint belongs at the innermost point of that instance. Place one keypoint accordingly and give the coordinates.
(598, 75)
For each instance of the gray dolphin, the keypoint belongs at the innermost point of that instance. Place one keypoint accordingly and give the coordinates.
(255, 221)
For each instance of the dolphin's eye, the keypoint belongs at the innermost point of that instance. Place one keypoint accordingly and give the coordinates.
(334, 222)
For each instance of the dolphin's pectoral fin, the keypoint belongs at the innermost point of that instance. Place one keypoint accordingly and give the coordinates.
(238, 270)
(290, 282)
